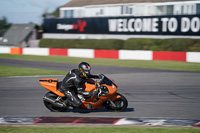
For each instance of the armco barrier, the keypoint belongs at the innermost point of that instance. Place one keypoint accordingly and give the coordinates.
(36, 51)
(169, 56)
(55, 51)
(109, 54)
(193, 57)
(135, 54)
(87, 53)
(5, 50)
(15, 50)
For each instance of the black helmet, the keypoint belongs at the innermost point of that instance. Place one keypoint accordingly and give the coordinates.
(84, 68)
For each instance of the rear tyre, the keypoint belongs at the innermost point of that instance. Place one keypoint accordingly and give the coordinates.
(120, 103)
(52, 107)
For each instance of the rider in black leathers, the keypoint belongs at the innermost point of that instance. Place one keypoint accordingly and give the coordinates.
(72, 83)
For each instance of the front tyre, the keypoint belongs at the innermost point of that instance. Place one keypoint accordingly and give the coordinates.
(52, 107)
(120, 104)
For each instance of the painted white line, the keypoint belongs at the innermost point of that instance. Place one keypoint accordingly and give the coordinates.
(124, 121)
(2, 120)
(157, 122)
(154, 122)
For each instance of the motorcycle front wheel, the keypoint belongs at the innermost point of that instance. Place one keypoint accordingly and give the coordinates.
(120, 104)
(52, 107)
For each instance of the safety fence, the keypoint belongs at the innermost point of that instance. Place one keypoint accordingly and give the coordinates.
(107, 54)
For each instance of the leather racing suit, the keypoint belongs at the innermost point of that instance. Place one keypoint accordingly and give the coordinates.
(71, 85)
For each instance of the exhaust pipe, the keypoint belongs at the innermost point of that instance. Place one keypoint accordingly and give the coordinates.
(53, 102)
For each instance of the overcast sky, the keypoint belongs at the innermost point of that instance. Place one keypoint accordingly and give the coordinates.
(25, 11)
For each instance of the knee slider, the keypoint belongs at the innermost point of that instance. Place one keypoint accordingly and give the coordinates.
(76, 105)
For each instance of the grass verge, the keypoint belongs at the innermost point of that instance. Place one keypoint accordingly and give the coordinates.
(22, 71)
(97, 130)
(168, 65)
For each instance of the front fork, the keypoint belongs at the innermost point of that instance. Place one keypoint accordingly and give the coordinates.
(116, 96)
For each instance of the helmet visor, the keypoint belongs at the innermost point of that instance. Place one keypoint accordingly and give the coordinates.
(86, 69)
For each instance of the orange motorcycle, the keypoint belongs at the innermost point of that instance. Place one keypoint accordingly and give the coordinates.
(107, 97)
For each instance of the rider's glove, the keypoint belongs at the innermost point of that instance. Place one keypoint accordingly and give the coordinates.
(97, 85)
(101, 76)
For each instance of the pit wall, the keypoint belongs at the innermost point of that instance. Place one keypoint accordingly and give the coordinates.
(107, 54)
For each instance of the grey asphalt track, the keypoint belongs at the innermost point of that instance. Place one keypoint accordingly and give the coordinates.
(150, 93)
(68, 67)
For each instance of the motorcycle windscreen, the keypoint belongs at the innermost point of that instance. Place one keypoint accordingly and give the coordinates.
(108, 81)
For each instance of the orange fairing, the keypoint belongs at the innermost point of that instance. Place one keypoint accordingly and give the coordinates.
(88, 87)
(51, 84)
(112, 89)
(98, 105)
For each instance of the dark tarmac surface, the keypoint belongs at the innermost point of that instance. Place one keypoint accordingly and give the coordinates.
(150, 93)
(67, 67)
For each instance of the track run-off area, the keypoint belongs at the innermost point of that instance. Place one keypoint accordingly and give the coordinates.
(151, 93)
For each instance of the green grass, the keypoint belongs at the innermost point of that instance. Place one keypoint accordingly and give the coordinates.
(167, 65)
(22, 71)
(97, 130)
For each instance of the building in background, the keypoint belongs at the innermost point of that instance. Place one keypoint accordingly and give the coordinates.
(119, 8)
(21, 35)
(126, 19)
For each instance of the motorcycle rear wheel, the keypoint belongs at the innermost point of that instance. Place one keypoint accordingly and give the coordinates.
(52, 107)
(120, 103)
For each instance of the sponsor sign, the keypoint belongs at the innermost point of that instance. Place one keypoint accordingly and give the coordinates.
(79, 26)
(151, 25)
